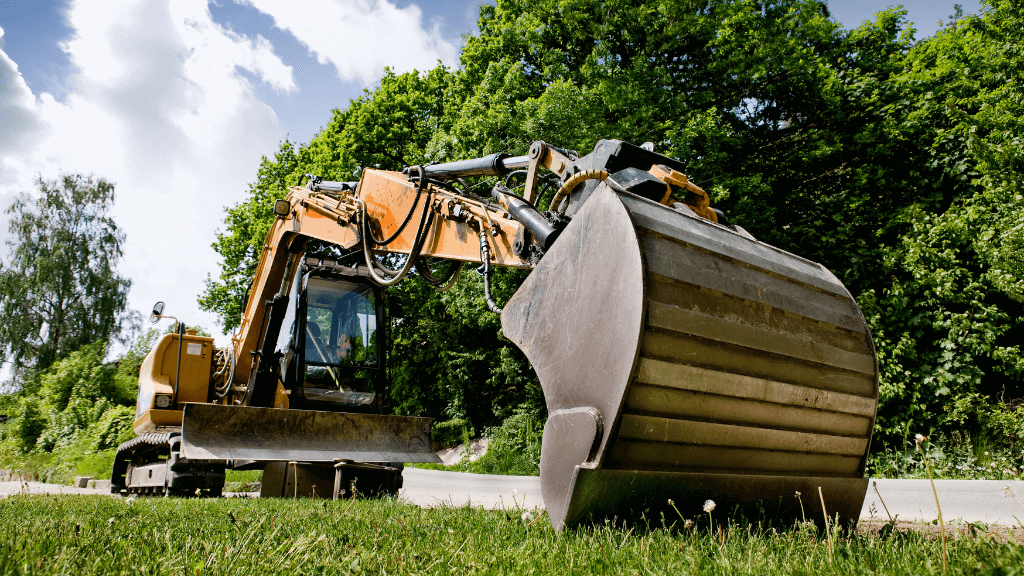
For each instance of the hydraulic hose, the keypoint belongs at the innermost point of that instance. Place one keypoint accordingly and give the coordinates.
(227, 372)
(572, 183)
(443, 283)
(485, 257)
(425, 220)
(419, 192)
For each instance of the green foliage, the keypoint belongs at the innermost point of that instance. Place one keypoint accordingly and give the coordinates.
(82, 375)
(71, 420)
(98, 535)
(61, 288)
(513, 449)
(242, 480)
(958, 457)
(514, 446)
(114, 427)
(947, 317)
(26, 425)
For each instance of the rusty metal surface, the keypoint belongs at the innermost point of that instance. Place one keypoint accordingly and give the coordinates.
(716, 364)
(635, 495)
(215, 432)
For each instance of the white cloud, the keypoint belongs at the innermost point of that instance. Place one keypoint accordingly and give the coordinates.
(158, 105)
(360, 37)
(20, 124)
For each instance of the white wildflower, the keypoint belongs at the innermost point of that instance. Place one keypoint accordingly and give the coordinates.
(709, 506)
(527, 517)
(688, 524)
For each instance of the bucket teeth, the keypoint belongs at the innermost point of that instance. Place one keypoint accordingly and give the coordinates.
(683, 360)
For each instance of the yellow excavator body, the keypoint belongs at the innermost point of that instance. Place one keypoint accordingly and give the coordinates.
(681, 359)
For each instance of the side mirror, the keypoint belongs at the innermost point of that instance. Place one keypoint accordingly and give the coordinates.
(158, 312)
(282, 208)
(395, 309)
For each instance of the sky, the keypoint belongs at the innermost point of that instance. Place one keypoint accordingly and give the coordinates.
(176, 102)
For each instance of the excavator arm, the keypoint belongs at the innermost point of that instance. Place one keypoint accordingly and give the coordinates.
(413, 218)
(680, 358)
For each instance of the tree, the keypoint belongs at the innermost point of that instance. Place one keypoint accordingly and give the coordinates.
(61, 289)
(893, 162)
(448, 358)
(947, 319)
(386, 128)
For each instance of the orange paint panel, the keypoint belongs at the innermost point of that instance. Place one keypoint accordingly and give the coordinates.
(389, 197)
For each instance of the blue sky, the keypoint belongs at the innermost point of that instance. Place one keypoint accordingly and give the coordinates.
(176, 102)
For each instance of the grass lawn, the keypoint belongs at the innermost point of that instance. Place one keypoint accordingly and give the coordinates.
(101, 535)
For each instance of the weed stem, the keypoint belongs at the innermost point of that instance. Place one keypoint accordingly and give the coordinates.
(920, 439)
(828, 527)
(875, 486)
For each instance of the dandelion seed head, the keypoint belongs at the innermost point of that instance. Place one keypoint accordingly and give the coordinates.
(688, 524)
(709, 506)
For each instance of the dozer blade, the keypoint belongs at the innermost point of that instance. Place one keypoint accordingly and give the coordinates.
(216, 432)
(682, 360)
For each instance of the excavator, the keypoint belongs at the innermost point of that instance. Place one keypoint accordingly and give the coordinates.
(680, 358)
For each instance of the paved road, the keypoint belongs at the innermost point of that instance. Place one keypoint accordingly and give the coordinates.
(437, 488)
(969, 500)
(13, 488)
(912, 500)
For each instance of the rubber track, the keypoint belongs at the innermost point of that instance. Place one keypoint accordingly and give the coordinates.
(125, 451)
(147, 439)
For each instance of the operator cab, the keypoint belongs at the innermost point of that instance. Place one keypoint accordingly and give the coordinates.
(332, 346)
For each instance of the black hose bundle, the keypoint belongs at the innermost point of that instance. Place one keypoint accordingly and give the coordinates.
(485, 258)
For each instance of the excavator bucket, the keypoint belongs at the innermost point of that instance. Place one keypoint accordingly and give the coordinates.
(682, 360)
(217, 432)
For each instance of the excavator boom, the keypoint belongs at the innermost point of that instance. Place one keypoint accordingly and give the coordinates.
(680, 358)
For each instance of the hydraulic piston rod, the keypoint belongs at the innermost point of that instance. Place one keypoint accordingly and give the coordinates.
(492, 165)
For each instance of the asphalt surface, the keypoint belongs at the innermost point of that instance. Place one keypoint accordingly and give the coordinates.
(16, 488)
(909, 500)
(968, 500)
(438, 488)
(986, 501)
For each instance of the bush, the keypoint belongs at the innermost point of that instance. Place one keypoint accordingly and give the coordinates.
(452, 432)
(114, 427)
(959, 457)
(1005, 425)
(27, 424)
(515, 445)
(71, 417)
